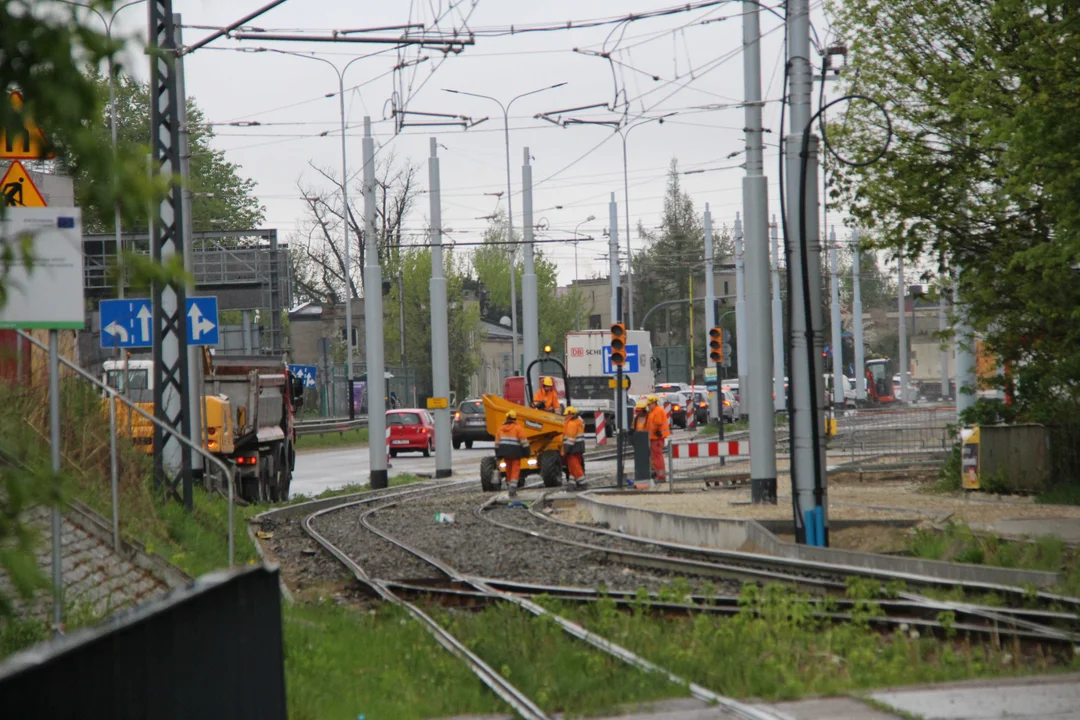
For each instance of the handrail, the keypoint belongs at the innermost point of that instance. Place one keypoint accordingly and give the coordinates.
(197, 447)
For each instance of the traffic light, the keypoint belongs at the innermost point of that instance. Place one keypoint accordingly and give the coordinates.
(716, 345)
(618, 345)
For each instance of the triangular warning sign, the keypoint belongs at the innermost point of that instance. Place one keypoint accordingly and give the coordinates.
(28, 144)
(18, 190)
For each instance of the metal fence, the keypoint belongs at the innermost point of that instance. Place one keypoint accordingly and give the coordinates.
(906, 430)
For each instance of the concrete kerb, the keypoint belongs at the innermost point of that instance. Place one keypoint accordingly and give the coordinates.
(734, 535)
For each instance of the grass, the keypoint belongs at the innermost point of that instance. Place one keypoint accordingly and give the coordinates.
(348, 438)
(559, 673)
(774, 649)
(1063, 494)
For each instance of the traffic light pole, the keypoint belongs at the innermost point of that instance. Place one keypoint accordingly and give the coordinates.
(620, 412)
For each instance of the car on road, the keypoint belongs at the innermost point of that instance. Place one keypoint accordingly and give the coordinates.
(729, 407)
(411, 430)
(678, 402)
(468, 424)
(670, 387)
(700, 403)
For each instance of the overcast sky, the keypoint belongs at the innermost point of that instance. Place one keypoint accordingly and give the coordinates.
(696, 56)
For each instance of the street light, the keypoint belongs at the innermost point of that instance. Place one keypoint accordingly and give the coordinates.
(509, 205)
(623, 133)
(344, 195)
(588, 219)
(112, 116)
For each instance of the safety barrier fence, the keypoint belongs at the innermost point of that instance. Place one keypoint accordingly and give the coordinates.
(708, 462)
(322, 426)
(895, 432)
(115, 401)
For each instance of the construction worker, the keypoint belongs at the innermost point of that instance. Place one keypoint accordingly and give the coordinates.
(546, 398)
(659, 428)
(641, 416)
(574, 444)
(511, 446)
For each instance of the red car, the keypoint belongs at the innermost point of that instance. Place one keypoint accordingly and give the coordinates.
(411, 429)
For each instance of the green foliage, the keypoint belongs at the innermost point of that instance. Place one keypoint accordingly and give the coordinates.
(223, 199)
(464, 343)
(349, 438)
(983, 99)
(558, 314)
(556, 671)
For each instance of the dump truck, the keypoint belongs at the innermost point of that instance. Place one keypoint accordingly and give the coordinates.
(543, 430)
(248, 415)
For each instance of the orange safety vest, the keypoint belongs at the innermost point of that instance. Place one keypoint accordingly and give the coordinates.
(641, 420)
(657, 424)
(574, 436)
(510, 441)
(549, 397)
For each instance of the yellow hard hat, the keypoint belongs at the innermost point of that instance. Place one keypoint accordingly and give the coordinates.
(512, 415)
(570, 410)
(653, 398)
(548, 382)
(641, 403)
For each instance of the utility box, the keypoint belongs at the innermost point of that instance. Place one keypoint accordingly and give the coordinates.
(1018, 455)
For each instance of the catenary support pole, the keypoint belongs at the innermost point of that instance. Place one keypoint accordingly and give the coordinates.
(806, 329)
(901, 329)
(529, 302)
(756, 317)
(857, 320)
(194, 353)
(440, 342)
(943, 326)
(779, 371)
(965, 355)
(54, 447)
(716, 402)
(837, 334)
(741, 342)
(373, 324)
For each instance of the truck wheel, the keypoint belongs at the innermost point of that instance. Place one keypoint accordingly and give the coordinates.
(270, 486)
(249, 489)
(551, 468)
(468, 444)
(489, 474)
(284, 474)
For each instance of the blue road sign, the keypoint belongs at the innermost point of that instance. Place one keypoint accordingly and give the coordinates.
(202, 321)
(631, 360)
(306, 372)
(128, 323)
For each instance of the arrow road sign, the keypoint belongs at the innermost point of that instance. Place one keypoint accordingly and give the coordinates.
(631, 360)
(127, 323)
(306, 372)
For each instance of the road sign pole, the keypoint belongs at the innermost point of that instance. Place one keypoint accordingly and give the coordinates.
(54, 441)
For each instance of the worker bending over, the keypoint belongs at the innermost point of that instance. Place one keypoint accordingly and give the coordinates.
(510, 447)
(659, 428)
(546, 398)
(574, 444)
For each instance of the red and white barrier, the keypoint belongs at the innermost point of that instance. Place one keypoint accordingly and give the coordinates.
(730, 448)
(691, 418)
(601, 428)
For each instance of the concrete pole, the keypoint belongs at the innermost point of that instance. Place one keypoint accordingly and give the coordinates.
(373, 324)
(440, 341)
(965, 355)
(529, 302)
(901, 329)
(857, 320)
(710, 307)
(741, 341)
(193, 385)
(943, 325)
(837, 327)
(629, 251)
(513, 247)
(807, 456)
(757, 333)
(779, 371)
(345, 238)
(613, 251)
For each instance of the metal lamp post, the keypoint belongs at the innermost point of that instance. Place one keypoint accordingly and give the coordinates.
(588, 219)
(344, 197)
(509, 204)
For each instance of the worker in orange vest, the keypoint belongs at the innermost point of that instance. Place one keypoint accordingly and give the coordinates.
(510, 447)
(546, 398)
(574, 444)
(641, 416)
(659, 428)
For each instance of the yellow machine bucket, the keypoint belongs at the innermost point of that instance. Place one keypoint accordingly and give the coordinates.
(542, 429)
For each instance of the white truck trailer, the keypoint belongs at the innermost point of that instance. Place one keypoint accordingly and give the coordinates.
(588, 365)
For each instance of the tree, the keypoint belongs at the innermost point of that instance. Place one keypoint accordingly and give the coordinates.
(44, 49)
(981, 170)
(318, 251)
(464, 318)
(222, 198)
(558, 314)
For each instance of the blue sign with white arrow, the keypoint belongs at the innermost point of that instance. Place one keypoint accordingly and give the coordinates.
(128, 323)
(306, 373)
(631, 360)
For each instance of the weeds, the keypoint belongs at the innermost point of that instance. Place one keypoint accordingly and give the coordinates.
(349, 438)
